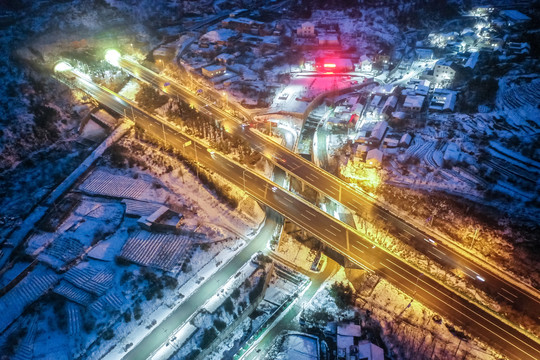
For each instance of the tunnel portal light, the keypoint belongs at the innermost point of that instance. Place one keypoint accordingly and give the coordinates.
(112, 56)
(62, 66)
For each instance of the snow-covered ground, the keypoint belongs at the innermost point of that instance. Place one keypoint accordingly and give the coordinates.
(407, 331)
(96, 226)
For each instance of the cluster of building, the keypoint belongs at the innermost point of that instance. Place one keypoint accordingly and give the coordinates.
(492, 32)
(220, 49)
(326, 37)
(349, 339)
(350, 345)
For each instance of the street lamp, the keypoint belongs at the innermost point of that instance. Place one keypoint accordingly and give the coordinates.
(112, 57)
(224, 93)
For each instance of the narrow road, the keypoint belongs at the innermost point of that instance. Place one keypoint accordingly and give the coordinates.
(163, 331)
(288, 321)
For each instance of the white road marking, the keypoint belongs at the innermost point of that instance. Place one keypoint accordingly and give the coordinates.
(408, 232)
(330, 232)
(287, 198)
(439, 251)
(310, 213)
(304, 216)
(482, 324)
(498, 293)
(503, 289)
(384, 217)
(357, 249)
(432, 253)
(335, 228)
(358, 242)
(279, 200)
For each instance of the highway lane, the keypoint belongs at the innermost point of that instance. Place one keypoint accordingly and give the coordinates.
(344, 239)
(522, 298)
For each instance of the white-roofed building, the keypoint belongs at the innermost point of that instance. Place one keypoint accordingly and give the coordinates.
(368, 351)
(213, 70)
(423, 54)
(219, 37)
(244, 25)
(390, 104)
(350, 347)
(414, 103)
(225, 58)
(378, 133)
(328, 39)
(472, 60)
(307, 29)
(385, 89)
(374, 158)
(443, 100)
(300, 346)
(375, 102)
(365, 63)
(444, 71)
(347, 338)
(405, 140)
(514, 16)
(516, 48)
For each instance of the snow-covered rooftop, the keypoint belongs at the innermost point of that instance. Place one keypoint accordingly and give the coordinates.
(214, 67)
(219, 35)
(414, 101)
(514, 15)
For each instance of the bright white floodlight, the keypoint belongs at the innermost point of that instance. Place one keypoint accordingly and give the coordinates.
(62, 66)
(112, 56)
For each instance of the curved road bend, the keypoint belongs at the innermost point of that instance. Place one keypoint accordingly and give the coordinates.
(523, 298)
(344, 239)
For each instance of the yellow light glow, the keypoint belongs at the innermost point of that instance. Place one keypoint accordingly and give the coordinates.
(329, 65)
(62, 66)
(368, 178)
(112, 56)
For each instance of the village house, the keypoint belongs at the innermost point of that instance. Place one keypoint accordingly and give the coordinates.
(366, 64)
(307, 29)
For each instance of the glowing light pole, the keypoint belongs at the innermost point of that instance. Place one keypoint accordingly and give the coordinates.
(224, 93)
(113, 56)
